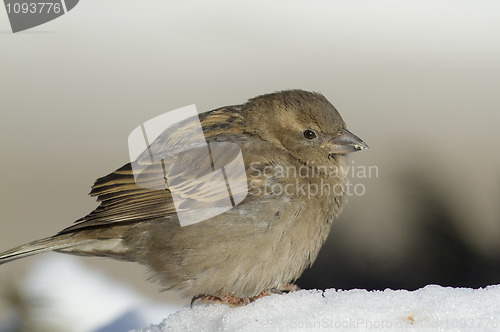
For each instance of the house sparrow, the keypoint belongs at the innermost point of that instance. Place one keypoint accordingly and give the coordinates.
(293, 145)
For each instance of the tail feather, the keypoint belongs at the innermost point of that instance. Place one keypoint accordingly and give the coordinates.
(56, 242)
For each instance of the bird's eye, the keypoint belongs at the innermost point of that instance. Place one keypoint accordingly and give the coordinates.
(309, 134)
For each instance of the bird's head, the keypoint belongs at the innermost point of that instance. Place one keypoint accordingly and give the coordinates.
(305, 124)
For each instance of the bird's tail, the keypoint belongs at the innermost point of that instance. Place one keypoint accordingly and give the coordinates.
(57, 242)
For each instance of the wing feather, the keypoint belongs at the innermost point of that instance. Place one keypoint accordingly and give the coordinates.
(127, 198)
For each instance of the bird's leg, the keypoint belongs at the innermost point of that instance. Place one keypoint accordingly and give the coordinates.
(233, 301)
(223, 298)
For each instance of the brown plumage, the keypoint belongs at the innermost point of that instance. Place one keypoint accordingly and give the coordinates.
(261, 244)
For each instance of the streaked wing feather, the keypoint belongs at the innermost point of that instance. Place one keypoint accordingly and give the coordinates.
(123, 198)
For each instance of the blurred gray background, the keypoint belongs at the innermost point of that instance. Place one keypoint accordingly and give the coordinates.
(419, 81)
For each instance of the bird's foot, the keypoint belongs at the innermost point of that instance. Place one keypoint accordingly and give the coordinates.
(233, 301)
(227, 298)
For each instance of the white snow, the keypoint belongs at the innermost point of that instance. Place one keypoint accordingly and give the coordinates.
(432, 308)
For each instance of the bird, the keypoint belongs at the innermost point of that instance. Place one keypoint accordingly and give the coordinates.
(292, 143)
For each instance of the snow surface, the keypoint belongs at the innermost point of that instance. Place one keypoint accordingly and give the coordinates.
(432, 308)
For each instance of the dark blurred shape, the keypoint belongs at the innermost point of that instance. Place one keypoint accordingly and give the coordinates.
(20, 315)
(442, 255)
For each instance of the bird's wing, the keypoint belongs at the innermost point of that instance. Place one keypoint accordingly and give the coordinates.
(175, 165)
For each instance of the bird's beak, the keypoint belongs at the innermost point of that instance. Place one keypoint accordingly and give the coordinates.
(347, 142)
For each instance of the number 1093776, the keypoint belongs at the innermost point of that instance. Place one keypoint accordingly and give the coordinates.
(33, 7)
